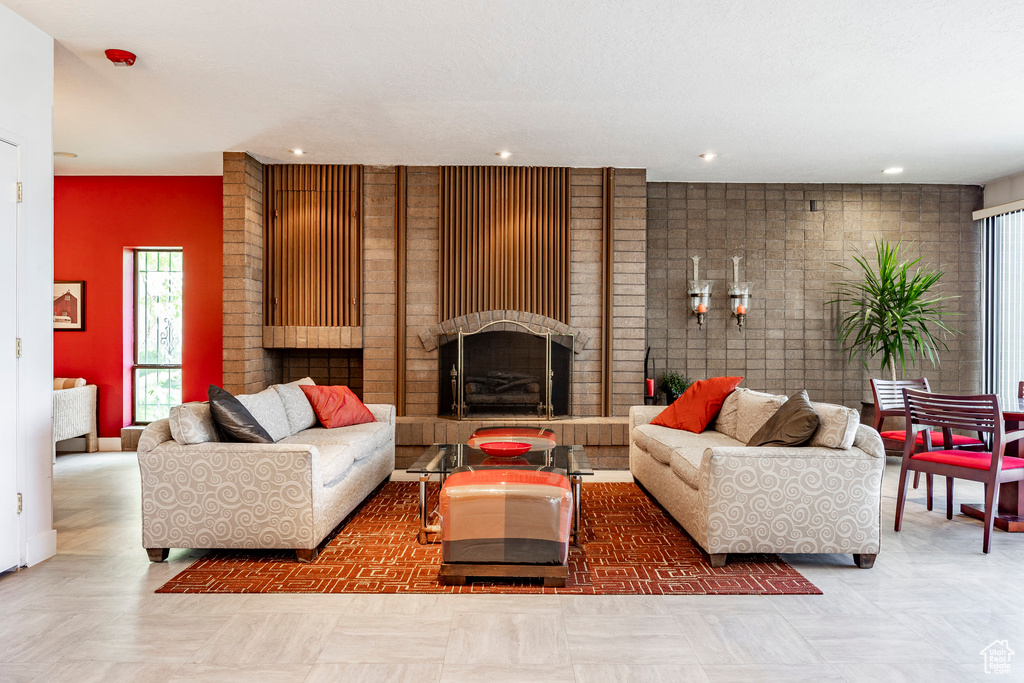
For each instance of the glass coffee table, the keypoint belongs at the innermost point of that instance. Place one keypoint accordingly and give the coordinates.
(441, 459)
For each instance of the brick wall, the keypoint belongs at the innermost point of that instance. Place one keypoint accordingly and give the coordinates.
(325, 367)
(790, 252)
(585, 208)
(629, 303)
(379, 275)
(422, 303)
(247, 366)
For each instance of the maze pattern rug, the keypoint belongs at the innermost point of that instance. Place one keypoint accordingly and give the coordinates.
(631, 547)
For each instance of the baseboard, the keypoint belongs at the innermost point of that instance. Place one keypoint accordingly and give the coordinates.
(77, 445)
(42, 547)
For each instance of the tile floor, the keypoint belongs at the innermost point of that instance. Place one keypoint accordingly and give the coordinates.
(925, 611)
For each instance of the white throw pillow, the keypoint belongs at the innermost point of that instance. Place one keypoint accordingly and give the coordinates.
(192, 423)
(296, 406)
(838, 426)
(268, 410)
(753, 409)
(725, 423)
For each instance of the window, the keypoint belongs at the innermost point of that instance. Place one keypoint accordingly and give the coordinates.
(1004, 295)
(156, 373)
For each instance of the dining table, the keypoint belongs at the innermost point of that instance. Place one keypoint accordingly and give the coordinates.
(1010, 513)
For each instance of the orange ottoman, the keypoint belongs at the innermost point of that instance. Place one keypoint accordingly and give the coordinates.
(506, 522)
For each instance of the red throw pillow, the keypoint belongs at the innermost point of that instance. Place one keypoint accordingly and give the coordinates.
(698, 406)
(337, 406)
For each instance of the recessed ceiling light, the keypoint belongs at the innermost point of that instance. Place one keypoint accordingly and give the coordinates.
(65, 155)
(894, 169)
(504, 154)
(297, 152)
(708, 156)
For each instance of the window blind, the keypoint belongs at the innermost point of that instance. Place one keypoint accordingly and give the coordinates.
(1004, 309)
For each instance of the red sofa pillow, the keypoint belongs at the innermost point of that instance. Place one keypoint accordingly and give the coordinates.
(337, 406)
(699, 405)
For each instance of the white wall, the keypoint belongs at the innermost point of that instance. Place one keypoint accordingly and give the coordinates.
(26, 118)
(1004, 190)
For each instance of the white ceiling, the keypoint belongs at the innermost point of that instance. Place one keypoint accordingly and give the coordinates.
(781, 90)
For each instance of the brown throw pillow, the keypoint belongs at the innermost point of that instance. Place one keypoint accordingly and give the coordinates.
(792, 425)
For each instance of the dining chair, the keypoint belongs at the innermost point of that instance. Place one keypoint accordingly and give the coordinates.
(889, 403)
(926, 412)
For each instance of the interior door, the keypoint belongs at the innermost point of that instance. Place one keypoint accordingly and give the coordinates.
(10, 551)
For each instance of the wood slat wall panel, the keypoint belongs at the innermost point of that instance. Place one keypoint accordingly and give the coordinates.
(504, 240)
(313, 245)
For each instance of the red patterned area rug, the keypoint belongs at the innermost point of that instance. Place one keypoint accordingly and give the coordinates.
(631, 547)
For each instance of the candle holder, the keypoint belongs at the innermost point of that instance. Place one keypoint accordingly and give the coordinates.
(739, 293)
(700, 299)
(739, 298)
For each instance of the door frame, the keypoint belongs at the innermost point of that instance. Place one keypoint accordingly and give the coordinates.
(20, 466)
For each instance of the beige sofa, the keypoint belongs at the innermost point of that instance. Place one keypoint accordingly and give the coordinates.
(206, 493)
(824, 497)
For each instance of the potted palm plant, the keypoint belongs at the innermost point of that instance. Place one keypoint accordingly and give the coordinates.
(892, 312)
(674, 384)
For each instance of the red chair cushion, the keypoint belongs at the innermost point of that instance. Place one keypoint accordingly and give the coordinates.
(699, 404)
(337, 406)
(976, 460)
(958, 439)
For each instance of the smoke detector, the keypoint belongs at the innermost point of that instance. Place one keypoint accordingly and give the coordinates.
(120, 57)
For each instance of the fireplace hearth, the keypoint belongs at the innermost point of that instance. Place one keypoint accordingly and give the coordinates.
(504, 369)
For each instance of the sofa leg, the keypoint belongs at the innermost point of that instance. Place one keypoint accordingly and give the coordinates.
(157, 554)
(305, 556)
(718, 559)
(864, 560)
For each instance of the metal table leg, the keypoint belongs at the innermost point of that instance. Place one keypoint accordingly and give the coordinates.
(576, 508)
(424, 478)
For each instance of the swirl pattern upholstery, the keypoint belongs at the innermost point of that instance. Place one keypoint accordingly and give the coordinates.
(287, 495)
(735, 499)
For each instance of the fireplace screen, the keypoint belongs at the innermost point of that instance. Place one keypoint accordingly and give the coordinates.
(505, 373)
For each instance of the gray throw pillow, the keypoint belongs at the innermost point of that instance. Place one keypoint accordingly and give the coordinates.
(234, 421)
(792, 425)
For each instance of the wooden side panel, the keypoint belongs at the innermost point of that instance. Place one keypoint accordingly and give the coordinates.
(313, 245)
(504, 239)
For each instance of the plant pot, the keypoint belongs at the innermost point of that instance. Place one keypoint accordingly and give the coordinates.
(670, 397)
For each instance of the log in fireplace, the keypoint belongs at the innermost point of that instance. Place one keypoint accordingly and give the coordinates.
(505, 369)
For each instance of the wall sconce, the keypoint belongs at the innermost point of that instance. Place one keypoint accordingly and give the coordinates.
(739, 293)
(700, 293)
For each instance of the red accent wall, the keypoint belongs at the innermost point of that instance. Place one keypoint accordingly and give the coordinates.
(97, 221)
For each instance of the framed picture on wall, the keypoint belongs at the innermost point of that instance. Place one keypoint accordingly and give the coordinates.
(69, 305)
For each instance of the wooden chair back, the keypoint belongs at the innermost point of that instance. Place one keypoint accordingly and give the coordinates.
(926, 412)
(889, 397)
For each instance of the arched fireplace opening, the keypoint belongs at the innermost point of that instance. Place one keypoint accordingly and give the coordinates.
(505, 372)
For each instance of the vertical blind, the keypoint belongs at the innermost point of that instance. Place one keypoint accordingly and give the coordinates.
(504, 240)
(312, 253)
(1004, 310)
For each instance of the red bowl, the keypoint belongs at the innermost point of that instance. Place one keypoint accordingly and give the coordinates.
(506, 449)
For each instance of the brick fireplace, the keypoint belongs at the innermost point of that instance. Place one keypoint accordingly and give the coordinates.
(394, 354)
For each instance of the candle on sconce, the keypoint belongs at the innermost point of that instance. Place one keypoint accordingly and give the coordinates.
(701, 308)
(649, 387)
(741, 310)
